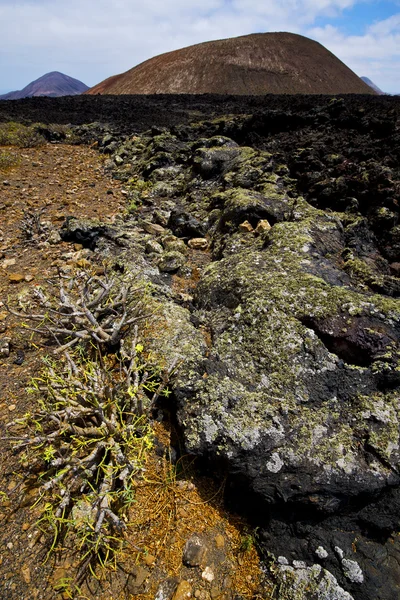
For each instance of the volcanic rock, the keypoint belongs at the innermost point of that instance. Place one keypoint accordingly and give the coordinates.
(260, 63)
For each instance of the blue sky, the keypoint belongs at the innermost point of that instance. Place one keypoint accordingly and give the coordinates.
(93, 39)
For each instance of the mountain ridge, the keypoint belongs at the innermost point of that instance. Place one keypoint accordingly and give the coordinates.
(373, 85)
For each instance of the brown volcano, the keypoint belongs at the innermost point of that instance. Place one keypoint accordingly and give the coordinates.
(260, 63)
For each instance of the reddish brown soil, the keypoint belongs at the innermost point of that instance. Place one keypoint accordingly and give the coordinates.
(67, 180)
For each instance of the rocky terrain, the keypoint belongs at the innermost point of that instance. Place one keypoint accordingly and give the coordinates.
(260, 63)
(52, 84)
(269, 235)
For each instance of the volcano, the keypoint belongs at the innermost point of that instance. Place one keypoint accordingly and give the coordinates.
(260, 63)
(52, 84)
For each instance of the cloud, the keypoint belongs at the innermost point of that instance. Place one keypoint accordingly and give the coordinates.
(93, 39)
(375, 53)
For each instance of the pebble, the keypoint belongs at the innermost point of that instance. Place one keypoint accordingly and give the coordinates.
(208, 574)
(25, 526)
(8, 262)
(137, 578)
(198, 243)
(26, 573)
(5, 346)
(171, 261)
(262, 226)
(12, 407)
(153, 228)
(153, 246)
(16, 278)
(184, 590)
(219, 541)
(246, 227)
(321, 552)
(194, 551)
(149, 559)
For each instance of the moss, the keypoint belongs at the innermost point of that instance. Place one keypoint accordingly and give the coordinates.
(360, 269)
(271, 358)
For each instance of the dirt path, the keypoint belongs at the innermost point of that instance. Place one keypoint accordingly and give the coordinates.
(63, 180)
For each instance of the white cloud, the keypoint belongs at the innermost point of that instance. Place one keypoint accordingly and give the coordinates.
(92, 39)
(375, 54)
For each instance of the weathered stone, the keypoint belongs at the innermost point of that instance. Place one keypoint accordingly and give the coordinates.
(183, 591)
(185, 225)
(174, 244)
(171, 261)
(26, 573)
(309, 582)
(166, 589)
(85, 232)
(153, 247)
(8, 262)
(198, 244)
(5, 346)
(246, 227)
(208, 574)
(136, 579)
(54, 238)
(214, 161)
(262, 226)
(16, 277)
(153, 228)
(195, 551)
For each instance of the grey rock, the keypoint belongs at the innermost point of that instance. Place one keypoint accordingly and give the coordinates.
(153, 228)
(154, 247)
(174, 244)
(309, 582)
(321, 552)
(352, 571)
(195, 551)
(166, 589)
(136, 579)
(54, 238)
(212, 162)
(5, 346)
(171, 261)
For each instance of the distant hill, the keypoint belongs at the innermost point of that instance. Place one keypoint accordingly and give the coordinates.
(260, 63)
(52, 84)
(372, 85)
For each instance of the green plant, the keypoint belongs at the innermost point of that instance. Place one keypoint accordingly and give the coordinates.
(248, 540)
(7, 160)
(22, 136)
(88, 439)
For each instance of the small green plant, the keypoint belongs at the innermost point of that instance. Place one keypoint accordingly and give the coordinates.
(139, 189)
(248, 540)
(7, 160)
(88, 440)
(22, 136)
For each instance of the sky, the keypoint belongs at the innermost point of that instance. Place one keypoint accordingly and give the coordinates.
(93, 39)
